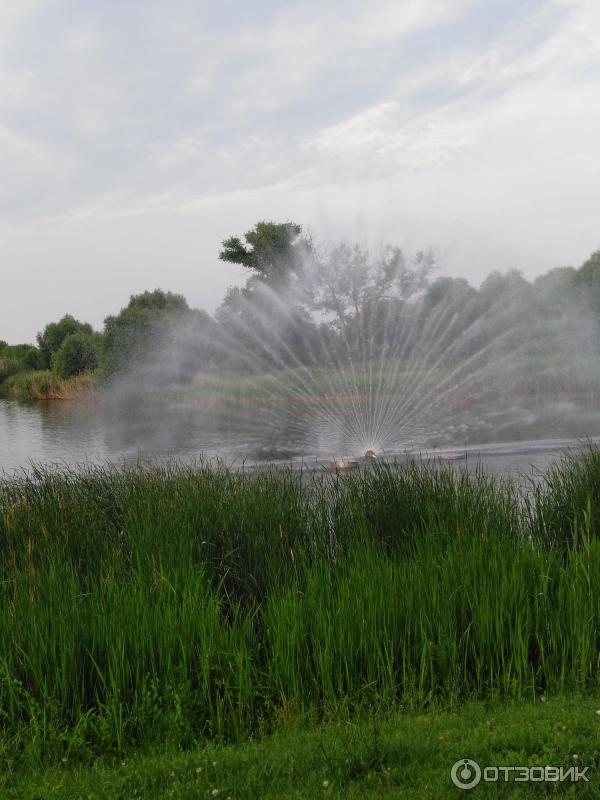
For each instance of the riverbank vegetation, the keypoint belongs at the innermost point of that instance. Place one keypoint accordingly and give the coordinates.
(175, 606)
(31, 385)
(333, 309)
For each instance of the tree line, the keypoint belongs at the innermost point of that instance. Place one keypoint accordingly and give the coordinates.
(306, 305)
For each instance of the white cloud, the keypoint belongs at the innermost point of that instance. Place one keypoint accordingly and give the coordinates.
(391, 21)
(14, 86)
(22, 156)
(136, 123)
(305, 45)
(378, 139)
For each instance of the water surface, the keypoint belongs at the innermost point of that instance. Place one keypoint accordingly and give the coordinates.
(96, 432)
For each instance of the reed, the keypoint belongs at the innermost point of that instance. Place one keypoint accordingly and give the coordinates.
(45, 385)
(171, 603)
(564, 503)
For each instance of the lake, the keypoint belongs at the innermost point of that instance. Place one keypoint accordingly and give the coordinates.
(76, 432)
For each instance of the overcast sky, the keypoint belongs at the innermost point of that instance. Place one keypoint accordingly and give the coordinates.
(135, 135)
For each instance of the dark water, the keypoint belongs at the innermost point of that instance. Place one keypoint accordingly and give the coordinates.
(76, 432)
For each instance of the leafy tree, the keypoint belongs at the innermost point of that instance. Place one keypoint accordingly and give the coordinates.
(158, 301)
(266, 316)
(79, 352)
(273, 251)
(26, 355)
(32, 357)
(361, 294)
(54, 335)
(17, 358)
(448, 308)
(260, 329)
(556, 281)
(587, 280)
(349, 279)
(347, 288)
(133, 335)
(506, 289)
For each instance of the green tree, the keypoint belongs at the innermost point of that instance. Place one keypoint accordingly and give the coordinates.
(273, 251)
(362, 295)
(587, 280)
(18, 358)
(79, 352)
(158, 301)
(349, 281)
(265, 318)
(54, 335)
(138, 330)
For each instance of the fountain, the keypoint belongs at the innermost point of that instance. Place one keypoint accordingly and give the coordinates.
(394, 375)
(357, 357)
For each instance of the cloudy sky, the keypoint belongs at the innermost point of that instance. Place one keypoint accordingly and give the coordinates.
(135, 135)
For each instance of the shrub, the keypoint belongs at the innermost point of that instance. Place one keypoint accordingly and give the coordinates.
(54, 335)
(14, 360)
(8, 367)
(78, 353)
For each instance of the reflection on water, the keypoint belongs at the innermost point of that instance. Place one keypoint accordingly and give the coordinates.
(75, 432)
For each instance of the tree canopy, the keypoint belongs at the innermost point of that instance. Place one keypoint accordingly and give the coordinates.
(55, 333)
(79, 352)
(273, 251)
(305, 305)
(134, 335)
(587, 279)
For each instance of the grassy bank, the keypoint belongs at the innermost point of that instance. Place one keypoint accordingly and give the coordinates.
(380, 756)
(44, 385)
(176, 606)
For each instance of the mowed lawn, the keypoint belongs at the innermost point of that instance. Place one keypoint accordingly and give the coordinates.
(399, 755)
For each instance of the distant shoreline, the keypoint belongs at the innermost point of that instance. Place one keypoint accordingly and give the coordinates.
(43, 385)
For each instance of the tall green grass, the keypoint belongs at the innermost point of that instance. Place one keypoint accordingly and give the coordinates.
(180, 603)
(564, 502)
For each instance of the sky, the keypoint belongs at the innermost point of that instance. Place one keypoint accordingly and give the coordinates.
(136, 135)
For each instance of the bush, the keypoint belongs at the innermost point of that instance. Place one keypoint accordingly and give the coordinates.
(54, 334)
(17, 358)
(8, 367)
(78, 353)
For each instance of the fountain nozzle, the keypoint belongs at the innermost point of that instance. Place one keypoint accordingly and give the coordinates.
(370, 454)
